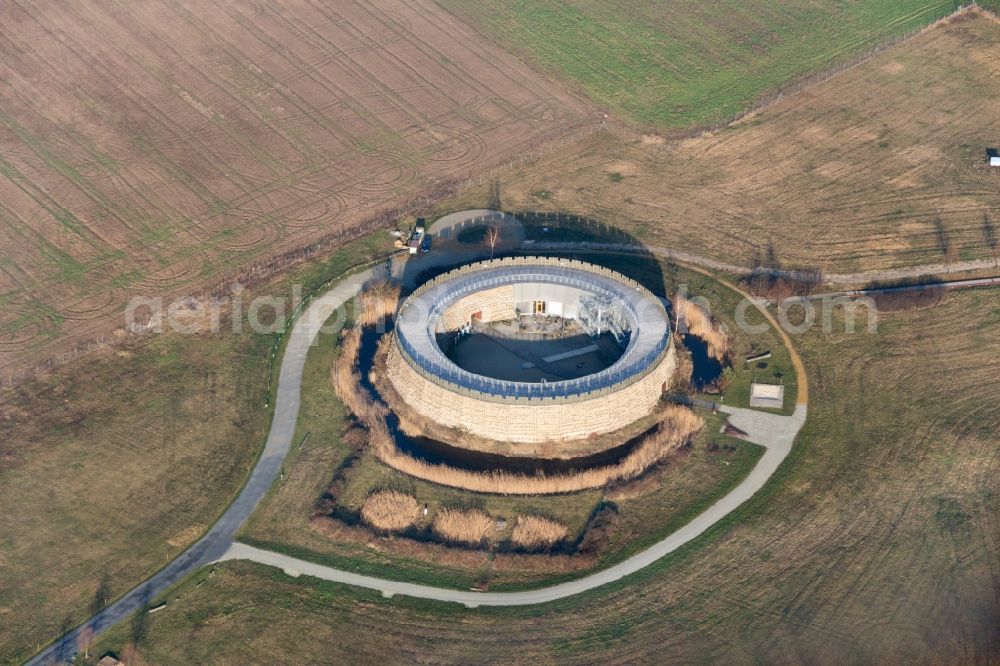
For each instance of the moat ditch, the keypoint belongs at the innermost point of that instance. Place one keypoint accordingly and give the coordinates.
(707, 369)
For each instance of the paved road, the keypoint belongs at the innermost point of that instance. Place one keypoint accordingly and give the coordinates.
(775, 433)
(215, 543)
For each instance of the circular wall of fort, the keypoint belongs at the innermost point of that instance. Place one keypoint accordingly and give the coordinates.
(606, 366)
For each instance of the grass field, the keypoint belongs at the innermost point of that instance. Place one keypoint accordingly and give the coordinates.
(691, 63)
(116, 463)
(155, 148)
(880, 167)
(877, 542)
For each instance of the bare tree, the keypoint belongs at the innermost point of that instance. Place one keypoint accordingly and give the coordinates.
(492, 238)
(945, 244)
(85, 639)
(671, 275)
(771, 261)
(139, 627)
(64, 644)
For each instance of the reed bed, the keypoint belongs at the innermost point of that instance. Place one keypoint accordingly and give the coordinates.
(472, 527)
(390, 510)
(699, 324)
(537, 532)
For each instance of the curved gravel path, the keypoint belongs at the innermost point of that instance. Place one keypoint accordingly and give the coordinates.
(775, 433)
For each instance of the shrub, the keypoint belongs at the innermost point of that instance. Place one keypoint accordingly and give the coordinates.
(908, 294)
(377, 302)
(346, 380)
(779, 285)
(390, 510)
(600, 529)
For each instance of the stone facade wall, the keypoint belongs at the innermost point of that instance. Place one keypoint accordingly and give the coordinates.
(495, 304)
(530, 421)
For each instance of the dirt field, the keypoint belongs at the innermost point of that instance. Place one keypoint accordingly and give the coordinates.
(878, 540)
(878, 543)
(153, 148)
(882, 166)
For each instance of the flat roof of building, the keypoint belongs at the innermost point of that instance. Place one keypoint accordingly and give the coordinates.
(767, 395)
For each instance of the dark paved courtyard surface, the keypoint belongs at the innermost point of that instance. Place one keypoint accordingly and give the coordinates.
(495, 354)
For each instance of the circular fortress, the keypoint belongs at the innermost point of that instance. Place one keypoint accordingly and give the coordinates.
(532, 349)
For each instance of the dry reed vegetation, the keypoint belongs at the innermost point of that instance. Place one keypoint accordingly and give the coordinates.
(676, 429)
(457, 526)
(698, 323)
(377, 302)
(684, 371)
(536, 532)
(390, 510)
(346, 380)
